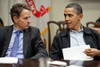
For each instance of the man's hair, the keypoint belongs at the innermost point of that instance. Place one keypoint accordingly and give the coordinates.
(17, 9)
(98, 20)
(76, 6)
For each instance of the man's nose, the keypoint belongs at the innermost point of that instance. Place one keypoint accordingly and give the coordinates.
(66, 18)
(29, 20)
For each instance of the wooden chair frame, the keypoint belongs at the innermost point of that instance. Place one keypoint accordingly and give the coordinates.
(60, 24)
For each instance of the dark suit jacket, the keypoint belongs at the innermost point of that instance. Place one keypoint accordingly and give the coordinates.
(33, 46)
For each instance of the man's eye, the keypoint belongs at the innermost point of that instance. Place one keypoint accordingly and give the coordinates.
(25, 18)
(64, 15)
(70, 15)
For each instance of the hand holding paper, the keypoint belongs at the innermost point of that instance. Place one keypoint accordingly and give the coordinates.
(92, 52)
(76, 53)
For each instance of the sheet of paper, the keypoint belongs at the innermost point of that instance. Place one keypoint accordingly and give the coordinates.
(74, 66)
(8, 60)
(57, 63)
(76, 53)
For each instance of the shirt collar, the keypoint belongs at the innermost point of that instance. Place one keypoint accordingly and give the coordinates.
(15, 29)
(77, 31)
(84, 29)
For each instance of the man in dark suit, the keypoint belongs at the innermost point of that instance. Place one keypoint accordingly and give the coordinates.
(30, 44)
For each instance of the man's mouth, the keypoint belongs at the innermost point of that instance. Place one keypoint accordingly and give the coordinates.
(68, 23)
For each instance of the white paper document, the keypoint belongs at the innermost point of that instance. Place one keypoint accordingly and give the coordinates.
(57, 63)
(74, 66)
(8, 60)
(76, 53)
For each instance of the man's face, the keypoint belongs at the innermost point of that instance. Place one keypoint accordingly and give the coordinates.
(72, 19)
(23, 21)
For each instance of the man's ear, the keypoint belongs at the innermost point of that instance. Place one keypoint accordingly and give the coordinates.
(80, 16)
(15, 19)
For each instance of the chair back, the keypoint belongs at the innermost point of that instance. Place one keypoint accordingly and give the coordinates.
(60, 26)
(1, 23)
(95, 26)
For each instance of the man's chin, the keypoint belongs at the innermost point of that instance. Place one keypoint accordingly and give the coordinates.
(69, 27)
(26, 27)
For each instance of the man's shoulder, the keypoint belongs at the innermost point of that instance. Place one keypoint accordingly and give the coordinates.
(62, 33)
(5, 27)
(33, 28)
(90, 30)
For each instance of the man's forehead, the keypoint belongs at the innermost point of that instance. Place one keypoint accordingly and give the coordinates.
(69, 11)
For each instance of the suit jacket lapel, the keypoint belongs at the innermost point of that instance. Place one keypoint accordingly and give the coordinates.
(7, 39)
(26, 41)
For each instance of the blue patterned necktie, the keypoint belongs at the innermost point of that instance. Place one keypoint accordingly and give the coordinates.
(15, 45)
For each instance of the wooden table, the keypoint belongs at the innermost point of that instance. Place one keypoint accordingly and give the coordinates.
(39, 63)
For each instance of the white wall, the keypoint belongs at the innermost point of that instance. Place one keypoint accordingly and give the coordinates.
(4, 11)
